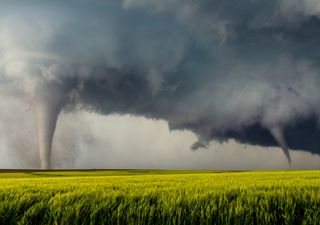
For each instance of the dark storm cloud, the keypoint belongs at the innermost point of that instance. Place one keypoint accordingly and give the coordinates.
(246, 70)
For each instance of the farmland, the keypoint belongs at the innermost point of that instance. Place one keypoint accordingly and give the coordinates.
(160, 197)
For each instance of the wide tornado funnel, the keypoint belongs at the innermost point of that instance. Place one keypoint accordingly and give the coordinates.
(48, 103)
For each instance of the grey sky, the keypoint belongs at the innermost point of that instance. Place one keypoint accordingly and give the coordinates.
(226, 72)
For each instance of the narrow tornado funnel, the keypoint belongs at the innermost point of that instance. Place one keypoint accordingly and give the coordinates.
(277, 134)
(48, 103)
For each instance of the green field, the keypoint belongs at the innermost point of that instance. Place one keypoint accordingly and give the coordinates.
(160, 197)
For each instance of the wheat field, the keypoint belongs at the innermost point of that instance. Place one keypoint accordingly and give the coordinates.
(160, 197)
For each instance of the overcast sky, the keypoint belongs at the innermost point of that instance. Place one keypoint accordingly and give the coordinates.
(138, 83)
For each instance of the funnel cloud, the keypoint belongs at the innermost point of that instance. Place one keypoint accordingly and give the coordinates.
(238, 70)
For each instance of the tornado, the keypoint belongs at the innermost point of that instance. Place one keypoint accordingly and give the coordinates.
(277, 134)
(48, 103)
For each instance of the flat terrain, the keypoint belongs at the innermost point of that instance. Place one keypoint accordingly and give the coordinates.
(159, 197)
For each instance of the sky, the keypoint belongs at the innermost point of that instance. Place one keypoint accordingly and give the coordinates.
(172, 84)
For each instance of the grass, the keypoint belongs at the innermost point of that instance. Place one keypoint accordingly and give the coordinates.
(160, 197)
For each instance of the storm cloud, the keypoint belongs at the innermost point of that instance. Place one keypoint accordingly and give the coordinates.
(243, 70)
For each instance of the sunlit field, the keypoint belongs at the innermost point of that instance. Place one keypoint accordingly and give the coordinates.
(160, 197)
